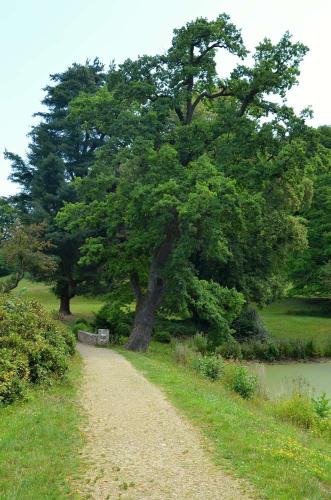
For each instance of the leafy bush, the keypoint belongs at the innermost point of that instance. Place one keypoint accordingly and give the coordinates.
(199, 343)
(162, 337)
(238, 379)
(298, 410)
(14, 373)
(33, 347)
(321, 406)
(118, 320)
(182, 353)
(249, 325)
(209, 366)
(230, 350)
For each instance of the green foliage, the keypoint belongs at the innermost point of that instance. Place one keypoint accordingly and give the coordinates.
(310, 269)
(216, 305)
(238, 379)
(80, 324)
(8, 217)
(114, 317)
(33, 347)
(321, 405)
(24, 251)
(209, 366)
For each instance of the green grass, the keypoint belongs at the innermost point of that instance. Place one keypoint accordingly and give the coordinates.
(278, 459)
(40, 441)
(80, 306)
(299, 318)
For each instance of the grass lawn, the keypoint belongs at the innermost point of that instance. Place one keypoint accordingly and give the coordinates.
(278, 459)
(80, 306)
(39, 442)
(299, 318)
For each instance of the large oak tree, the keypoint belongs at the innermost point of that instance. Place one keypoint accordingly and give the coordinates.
(195, 198)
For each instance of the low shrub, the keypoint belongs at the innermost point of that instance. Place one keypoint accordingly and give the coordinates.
(199, 343)
(304, 411)
(33, 347)
(297, 410)
(238, 379)
(209, 366)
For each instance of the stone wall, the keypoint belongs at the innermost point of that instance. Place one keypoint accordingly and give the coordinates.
(99, 338)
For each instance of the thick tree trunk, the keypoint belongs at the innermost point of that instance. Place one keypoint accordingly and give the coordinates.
(141, 334)
(148, 303)
(67, 290)
(64, 304)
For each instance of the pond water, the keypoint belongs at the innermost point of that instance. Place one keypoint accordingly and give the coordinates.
(280, 379)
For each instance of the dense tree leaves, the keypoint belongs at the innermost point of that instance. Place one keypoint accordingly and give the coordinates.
(311, 269)
(23, 251)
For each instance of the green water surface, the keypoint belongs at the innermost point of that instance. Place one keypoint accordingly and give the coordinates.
(281, 378)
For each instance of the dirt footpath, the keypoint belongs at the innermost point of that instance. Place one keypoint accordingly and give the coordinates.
(138, 446)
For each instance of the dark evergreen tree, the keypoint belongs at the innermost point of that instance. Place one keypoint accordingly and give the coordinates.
(60, 151)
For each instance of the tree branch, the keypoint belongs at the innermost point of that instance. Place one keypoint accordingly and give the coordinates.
(179, 113)
(221, 93)
(247, 101)
(216, 45)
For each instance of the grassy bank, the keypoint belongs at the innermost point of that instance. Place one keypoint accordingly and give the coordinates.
(278, 459)
(299, 318)
(40, 440)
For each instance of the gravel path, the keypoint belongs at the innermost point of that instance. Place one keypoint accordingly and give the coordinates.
(138, 446)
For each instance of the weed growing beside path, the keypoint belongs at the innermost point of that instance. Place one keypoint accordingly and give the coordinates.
(278, 459)
(40, 440)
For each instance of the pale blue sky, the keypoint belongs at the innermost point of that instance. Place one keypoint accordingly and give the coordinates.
(39, 37)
